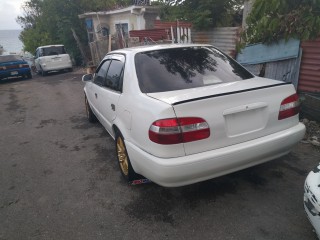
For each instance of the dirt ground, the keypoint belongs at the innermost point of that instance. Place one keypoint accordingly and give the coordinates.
(59, 179)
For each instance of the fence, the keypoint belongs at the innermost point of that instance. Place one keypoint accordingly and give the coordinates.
(225, 38)
(164, 32)
(285, 70)
(98, 50)
(280, 61)
(309, 80)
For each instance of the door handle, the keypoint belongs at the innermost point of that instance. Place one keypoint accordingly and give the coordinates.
(96, 95)
(113, 107)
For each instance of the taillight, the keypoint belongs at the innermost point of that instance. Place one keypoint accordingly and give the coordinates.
(23, 66)
(290, 106)
(179, 130)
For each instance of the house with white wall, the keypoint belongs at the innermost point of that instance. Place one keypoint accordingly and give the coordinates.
(101, 24)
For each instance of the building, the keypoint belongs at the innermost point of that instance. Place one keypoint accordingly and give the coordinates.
(120, 21)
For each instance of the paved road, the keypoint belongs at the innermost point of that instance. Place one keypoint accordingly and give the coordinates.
(59, 180)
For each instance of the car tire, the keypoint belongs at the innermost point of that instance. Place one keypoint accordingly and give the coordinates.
(123, 159)
(29, 75)
(43, 73)
(90, 115)
(70, 69)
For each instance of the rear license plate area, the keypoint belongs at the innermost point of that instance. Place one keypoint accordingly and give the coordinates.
(245, 122)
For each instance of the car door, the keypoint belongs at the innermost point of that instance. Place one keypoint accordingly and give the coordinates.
(94, 92)
(111, 91)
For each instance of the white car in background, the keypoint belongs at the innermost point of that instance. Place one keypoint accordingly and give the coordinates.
(312, 198)
(52, 58)
(182, 114)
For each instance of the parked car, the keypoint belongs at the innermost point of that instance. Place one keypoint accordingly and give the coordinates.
(52, 58)
(14, 66)
(182, 114)
(312, 198)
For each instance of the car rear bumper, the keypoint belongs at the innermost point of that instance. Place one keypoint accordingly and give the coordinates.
(56, 67)
(14, 72)
(179, 171)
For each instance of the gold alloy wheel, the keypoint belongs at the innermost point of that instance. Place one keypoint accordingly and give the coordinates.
(122, 156)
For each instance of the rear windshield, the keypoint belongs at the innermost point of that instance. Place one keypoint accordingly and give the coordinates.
(183, 68)
(48, 51)
(10, 58)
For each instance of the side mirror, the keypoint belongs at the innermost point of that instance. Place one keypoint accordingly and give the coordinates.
(87, 77)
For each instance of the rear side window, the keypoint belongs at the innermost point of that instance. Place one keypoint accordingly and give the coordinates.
(183, 68)
(114, 75)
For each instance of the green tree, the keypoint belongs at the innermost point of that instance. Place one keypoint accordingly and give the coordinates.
(32, 34)
(272, 20)
(204, 13)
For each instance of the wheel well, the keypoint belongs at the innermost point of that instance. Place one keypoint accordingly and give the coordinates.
(115, 130)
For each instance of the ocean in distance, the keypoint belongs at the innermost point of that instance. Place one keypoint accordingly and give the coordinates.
(9, 40)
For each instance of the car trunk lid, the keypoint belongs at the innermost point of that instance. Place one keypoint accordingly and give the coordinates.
(236, 112)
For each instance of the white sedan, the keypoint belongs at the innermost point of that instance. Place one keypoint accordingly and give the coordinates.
(182, 114)
(312, 198)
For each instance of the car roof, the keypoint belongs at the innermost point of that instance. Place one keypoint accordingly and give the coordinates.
(54, 45)
(147, 48)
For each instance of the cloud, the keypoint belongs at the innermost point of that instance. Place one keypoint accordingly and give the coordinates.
(9, 11)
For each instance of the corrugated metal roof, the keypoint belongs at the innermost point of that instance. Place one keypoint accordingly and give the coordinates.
(133, 9)
(309, 79)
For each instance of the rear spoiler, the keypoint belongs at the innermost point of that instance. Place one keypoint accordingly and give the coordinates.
(230, 93)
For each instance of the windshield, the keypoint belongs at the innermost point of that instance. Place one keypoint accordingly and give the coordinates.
(10, 58)
(48, 51)
(183, 68)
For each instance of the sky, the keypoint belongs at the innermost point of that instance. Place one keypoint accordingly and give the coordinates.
(9, 11)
